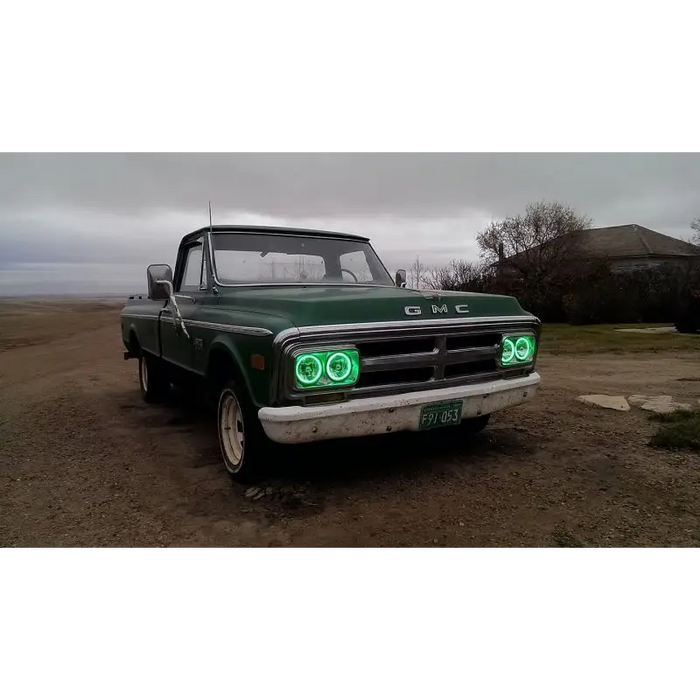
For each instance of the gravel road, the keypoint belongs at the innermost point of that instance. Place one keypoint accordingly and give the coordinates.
(83, 462)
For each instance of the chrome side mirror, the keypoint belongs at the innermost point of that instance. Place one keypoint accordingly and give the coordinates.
(156, 274)
(401, 278)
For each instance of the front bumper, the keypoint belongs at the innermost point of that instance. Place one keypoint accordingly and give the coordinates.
(389, 414)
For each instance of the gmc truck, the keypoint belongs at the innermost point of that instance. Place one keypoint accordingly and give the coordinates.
(302, 335)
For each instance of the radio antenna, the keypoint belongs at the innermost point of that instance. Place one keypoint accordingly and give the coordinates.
(210, 226)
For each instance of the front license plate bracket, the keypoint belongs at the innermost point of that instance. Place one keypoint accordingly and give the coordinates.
(438, 415)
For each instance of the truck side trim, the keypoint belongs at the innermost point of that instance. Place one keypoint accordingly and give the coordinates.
(148, 317)
(225, 327)
(228, 328)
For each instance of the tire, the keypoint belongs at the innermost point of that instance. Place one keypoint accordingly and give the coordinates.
(472, 426)
(242, 440)
(153, 379)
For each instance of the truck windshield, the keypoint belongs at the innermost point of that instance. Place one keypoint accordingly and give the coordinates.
(245, 258)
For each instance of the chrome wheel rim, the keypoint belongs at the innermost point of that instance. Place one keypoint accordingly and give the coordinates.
(231, 430)
(143, 374)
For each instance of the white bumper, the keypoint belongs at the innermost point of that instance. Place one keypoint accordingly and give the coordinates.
(389, 414)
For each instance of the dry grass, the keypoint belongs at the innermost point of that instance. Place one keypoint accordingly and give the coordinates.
(678, 431)
(560, 338)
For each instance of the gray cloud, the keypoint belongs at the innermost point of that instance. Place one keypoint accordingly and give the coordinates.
(346, 185)
(131, 209)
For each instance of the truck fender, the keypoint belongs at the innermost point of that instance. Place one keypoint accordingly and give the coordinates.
(222, 349)
(131, 338)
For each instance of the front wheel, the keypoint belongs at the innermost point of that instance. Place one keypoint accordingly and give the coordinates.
(242, 439)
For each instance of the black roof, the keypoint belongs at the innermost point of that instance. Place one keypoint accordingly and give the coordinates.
(633, 241)
(626, 242)
(273, 230)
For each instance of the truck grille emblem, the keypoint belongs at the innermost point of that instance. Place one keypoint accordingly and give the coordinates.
(417, 311)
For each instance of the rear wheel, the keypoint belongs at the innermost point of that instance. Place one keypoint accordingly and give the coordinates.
(244, 445)
(153, 379)
(472, 426)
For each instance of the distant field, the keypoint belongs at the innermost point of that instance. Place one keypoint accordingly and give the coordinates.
(562, 338)
(28, 321)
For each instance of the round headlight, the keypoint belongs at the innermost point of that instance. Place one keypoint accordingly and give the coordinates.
(338, 367)
(508, 351)
(522, 349)
(308, 369)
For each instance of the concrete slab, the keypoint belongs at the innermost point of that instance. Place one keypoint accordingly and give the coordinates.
(640, 399)
(615, 403)
(665, 406)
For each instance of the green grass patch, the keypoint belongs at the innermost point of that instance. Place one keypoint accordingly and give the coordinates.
(679, 430)
(561, 338)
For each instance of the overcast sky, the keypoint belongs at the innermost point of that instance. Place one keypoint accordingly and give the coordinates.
(92, 222)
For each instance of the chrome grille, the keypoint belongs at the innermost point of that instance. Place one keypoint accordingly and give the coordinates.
(444, 357)
(398, 358)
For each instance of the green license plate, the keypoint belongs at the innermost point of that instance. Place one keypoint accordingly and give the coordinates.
(437, 415)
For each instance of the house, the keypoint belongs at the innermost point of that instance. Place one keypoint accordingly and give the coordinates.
(632, 246)
(626, 247)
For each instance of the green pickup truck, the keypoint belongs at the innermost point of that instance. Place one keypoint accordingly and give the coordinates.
(302, 335)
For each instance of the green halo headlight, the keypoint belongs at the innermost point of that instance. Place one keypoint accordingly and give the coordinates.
(308, 369)
(517, 350)
(522, 349)
(508, 351)
(338, 367)
(326, 369)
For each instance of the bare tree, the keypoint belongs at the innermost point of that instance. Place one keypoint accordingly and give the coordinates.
(695, 225)
(461, 276)
(535, 256)
(537, 246)
(418, 275)
(526, 240)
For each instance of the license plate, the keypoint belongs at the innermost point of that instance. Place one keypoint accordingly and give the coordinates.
(437, 415)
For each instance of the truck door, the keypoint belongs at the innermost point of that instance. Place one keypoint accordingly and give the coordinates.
(191, 294)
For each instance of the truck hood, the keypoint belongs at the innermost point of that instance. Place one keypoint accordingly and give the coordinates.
(325, 305)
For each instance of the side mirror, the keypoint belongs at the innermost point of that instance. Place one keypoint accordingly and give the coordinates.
(401, 278)
(160, 287)
(157, 276)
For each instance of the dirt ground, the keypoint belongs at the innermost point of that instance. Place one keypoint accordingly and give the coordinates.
(83, 462)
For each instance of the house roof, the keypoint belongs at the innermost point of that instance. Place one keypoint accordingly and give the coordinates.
(624, 242)
(631, 241)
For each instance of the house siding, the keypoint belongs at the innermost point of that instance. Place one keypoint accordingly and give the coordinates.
(624, 264)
